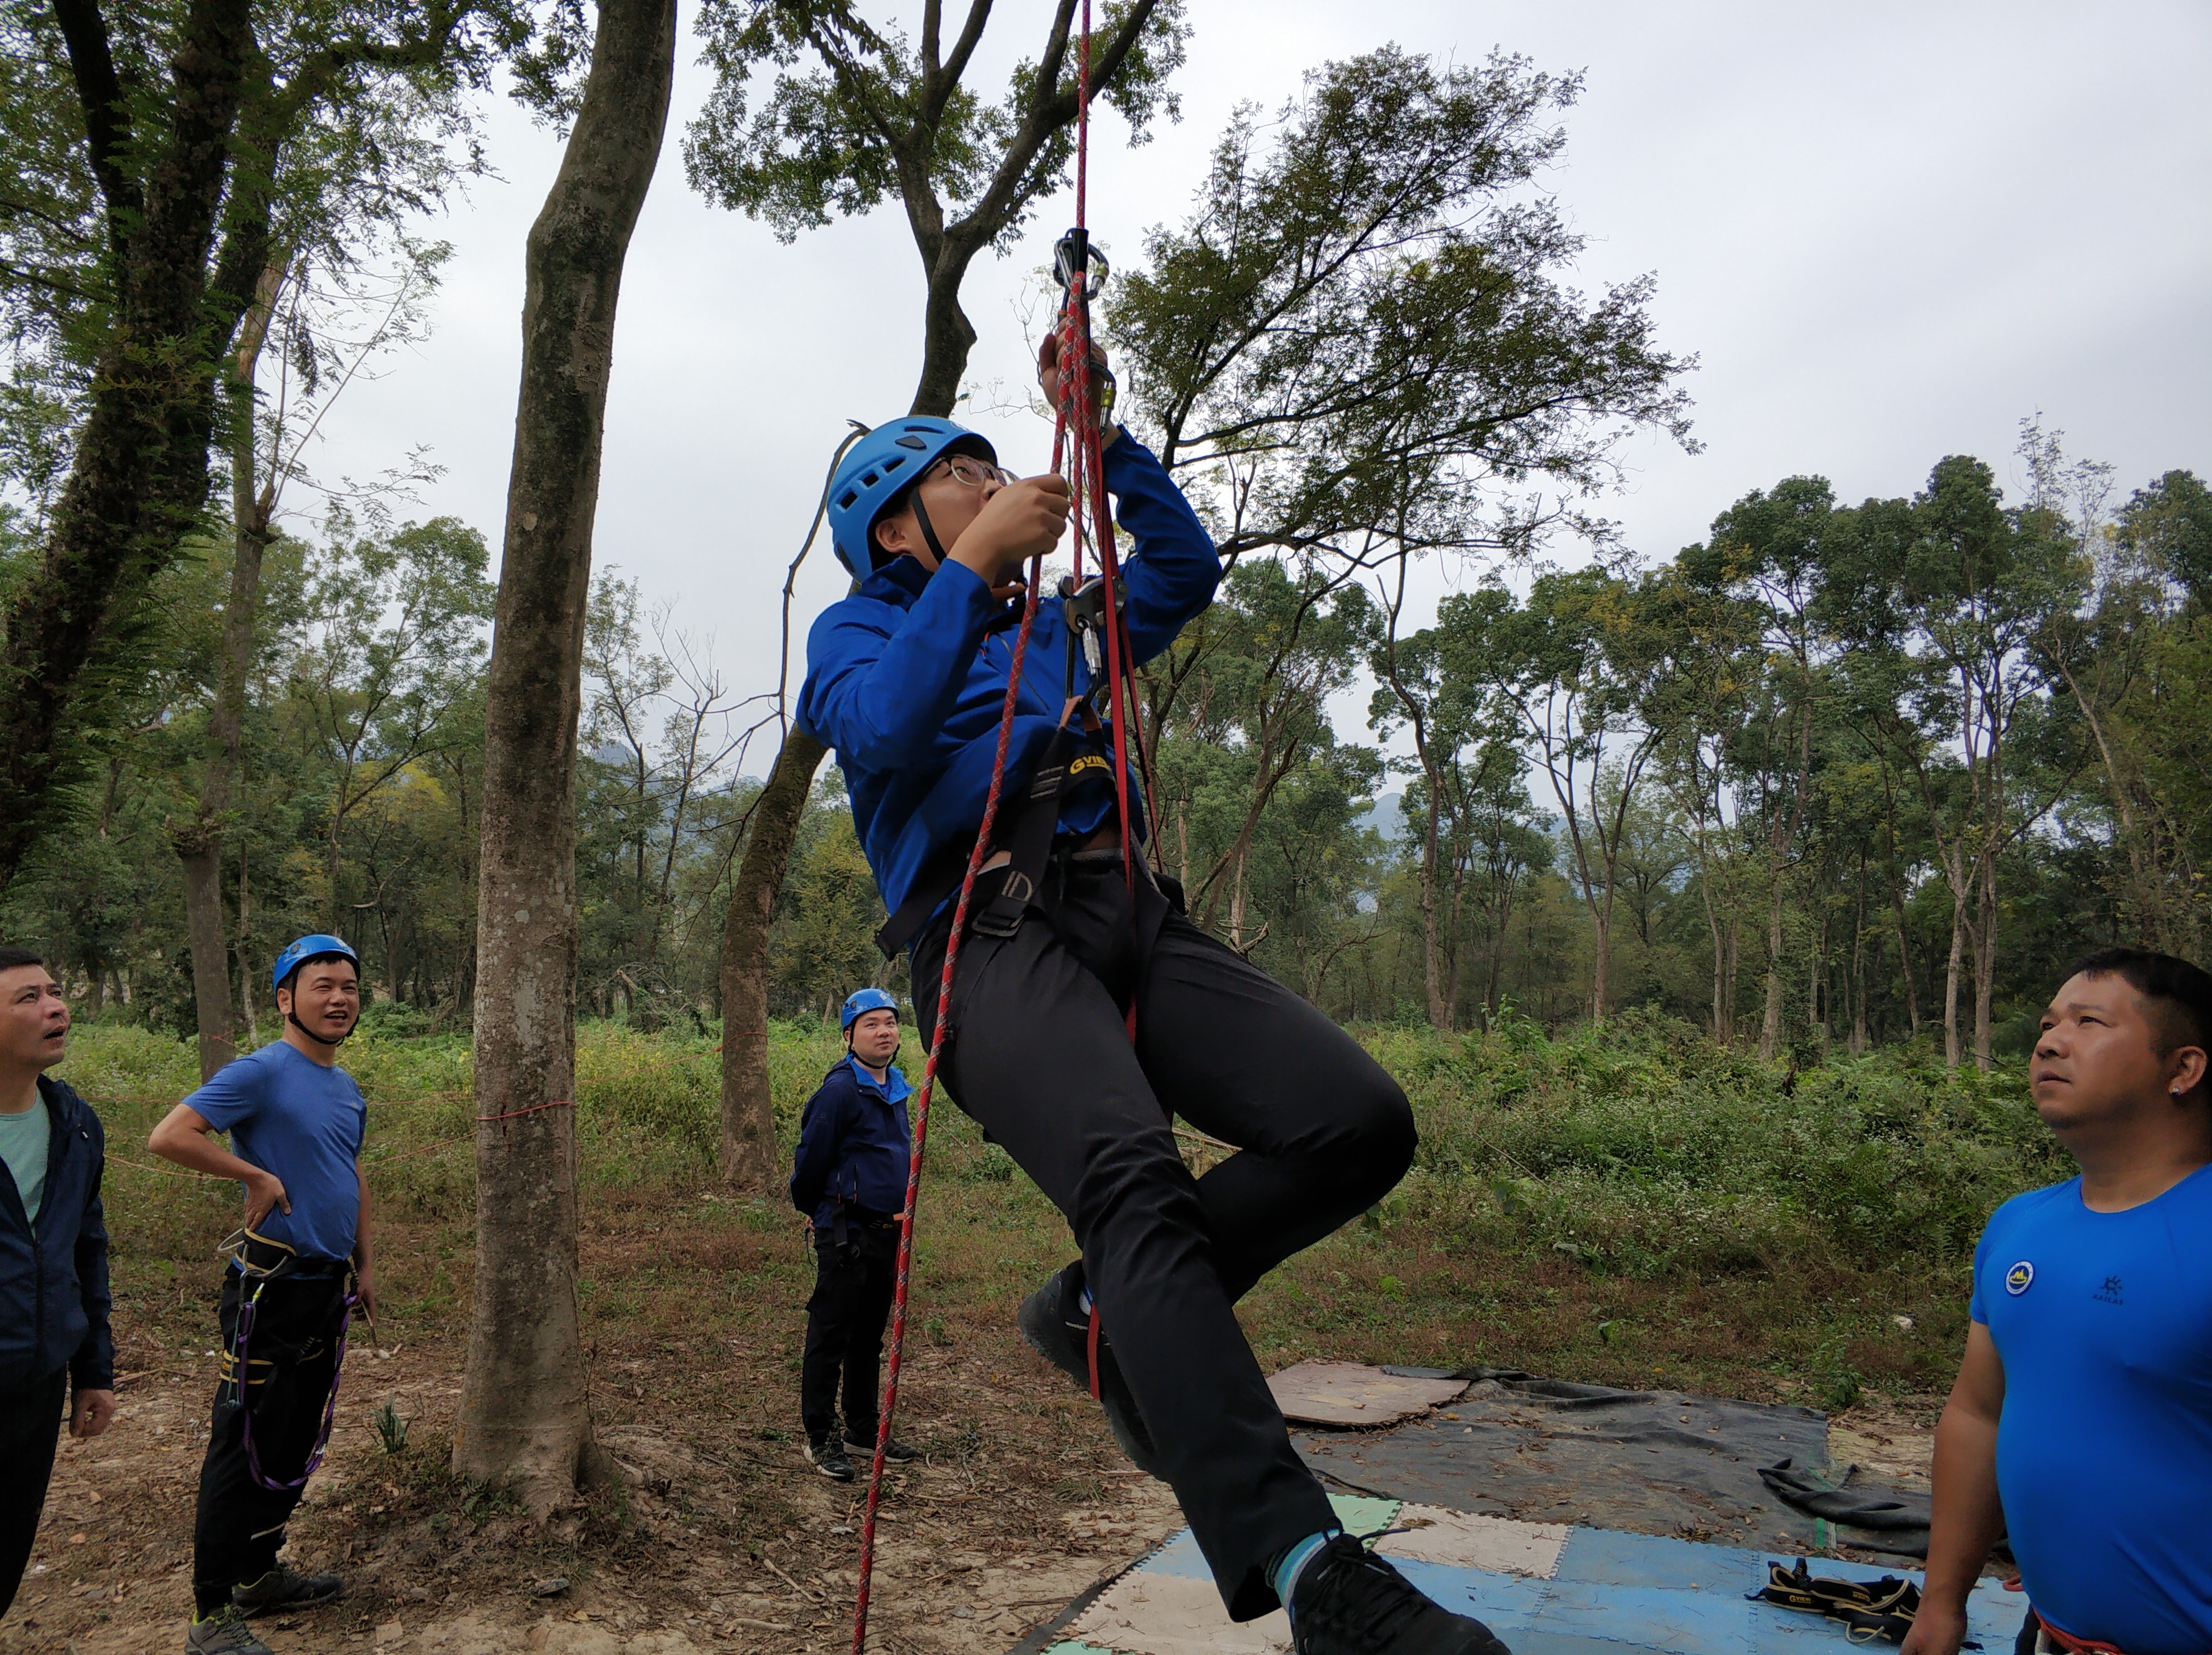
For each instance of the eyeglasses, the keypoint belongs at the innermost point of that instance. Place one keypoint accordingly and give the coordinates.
(974, 473)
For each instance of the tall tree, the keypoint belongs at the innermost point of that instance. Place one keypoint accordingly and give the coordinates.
(525, 1420)
(872, 117)
(161, 153)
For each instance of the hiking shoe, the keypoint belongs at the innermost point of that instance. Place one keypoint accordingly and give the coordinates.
(285, 1587)
(827, 1456)
(224, 1632)
(895, 1452)
(1348, 1601)
(1056, 1326)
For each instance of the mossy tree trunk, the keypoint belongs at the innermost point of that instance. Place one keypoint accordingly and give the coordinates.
(525, 1418)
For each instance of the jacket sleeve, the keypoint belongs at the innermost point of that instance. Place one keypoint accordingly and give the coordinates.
(1172, 568)
(880, 698)
(93, 1366)
(821, 1128)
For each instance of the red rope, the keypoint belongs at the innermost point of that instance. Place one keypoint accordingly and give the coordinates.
(1076, 414)
(921, 1111)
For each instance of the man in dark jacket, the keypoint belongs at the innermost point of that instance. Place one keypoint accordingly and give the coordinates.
(849, 1178)
(53, 1258)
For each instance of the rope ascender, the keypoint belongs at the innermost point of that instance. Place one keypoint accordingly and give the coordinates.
(1078, 450)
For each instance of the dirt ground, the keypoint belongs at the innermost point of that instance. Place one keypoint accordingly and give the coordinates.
(719, 1536)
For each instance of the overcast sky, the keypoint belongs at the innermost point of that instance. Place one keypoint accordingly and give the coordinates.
(1887, 231)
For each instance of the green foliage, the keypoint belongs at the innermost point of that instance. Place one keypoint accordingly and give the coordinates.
(830, 141)
(1644, 1149)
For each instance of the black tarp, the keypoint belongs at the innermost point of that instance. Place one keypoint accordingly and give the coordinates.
(1546, 1451)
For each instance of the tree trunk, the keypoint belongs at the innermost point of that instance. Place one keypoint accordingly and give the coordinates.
(1986, 963)
(138, 475)
(749, 1160)
(199, 844)
(525, 1418)
(1431, 962)
(1951, 1053)
(748, 1151)
(1905, 957)
(1770, 1027)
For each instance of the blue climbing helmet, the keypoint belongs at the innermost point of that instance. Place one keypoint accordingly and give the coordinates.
(318, 945)
(878, 466)
(865, 1000)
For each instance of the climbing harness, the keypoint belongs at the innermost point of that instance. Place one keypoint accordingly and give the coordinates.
(260, 1261)
(1869, 1611)
(1078, 445)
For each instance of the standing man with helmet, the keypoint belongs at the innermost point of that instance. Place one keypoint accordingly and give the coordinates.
(299, 1264)
(849, 1177)
(1088, 1012)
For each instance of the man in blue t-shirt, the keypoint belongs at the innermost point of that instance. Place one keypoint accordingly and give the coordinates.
(301, 1261)
(2081, 1424)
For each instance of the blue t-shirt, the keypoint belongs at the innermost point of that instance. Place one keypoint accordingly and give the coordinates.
(288, 1115)
(2104, 1323)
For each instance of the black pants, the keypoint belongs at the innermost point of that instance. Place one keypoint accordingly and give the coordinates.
(852, 1285)
(30, 1425)
(291, 1358)
(1040, 1056)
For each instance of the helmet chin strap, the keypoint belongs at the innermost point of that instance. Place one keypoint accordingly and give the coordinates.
(928, 530)
(319, 1040)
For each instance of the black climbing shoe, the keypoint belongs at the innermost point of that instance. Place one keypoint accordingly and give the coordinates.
(1350, 1602)
(1057, 1329)
(895, 1452)
(827, 1456)
(224, 1632)
(284, 1587)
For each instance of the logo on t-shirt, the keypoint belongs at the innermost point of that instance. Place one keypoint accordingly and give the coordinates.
(2110, 1293)
(2018, 1279)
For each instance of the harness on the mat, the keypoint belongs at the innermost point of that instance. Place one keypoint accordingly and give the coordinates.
(259, 1261)
(1869, 1611)
(1078, 450)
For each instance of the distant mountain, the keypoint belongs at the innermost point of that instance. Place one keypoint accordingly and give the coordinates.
(1386, 817)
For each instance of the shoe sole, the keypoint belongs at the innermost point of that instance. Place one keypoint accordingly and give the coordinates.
(1042, 1328)
(869, 1449)
(279, 1605)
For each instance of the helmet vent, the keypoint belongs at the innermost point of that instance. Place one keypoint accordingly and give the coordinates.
(846, 499)
(912, 442)
(893, 464)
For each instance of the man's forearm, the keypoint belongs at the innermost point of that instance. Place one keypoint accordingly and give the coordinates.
(198, 1151)
(1967, 1515)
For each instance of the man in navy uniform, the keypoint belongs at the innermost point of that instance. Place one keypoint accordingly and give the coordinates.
(849, 1177)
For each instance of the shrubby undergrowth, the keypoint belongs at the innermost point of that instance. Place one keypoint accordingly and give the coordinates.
(1647, 1150)
(1642, 1148)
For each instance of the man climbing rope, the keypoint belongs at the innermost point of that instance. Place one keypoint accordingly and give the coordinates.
(299, 1265)
(849, 1176)
(1086, 1013)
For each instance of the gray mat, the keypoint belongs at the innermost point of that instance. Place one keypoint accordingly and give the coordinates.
(1546, 1451)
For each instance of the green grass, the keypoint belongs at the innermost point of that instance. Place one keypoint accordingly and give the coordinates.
(1624, 1204)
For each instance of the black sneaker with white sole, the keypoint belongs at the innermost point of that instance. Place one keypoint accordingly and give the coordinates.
(827, 1456)
(1059, 1329)
(895, 1452)
(1347, 1601)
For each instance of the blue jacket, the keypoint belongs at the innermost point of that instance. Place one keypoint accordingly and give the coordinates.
(53, 1284)
(854, 1148)
(903, 681)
